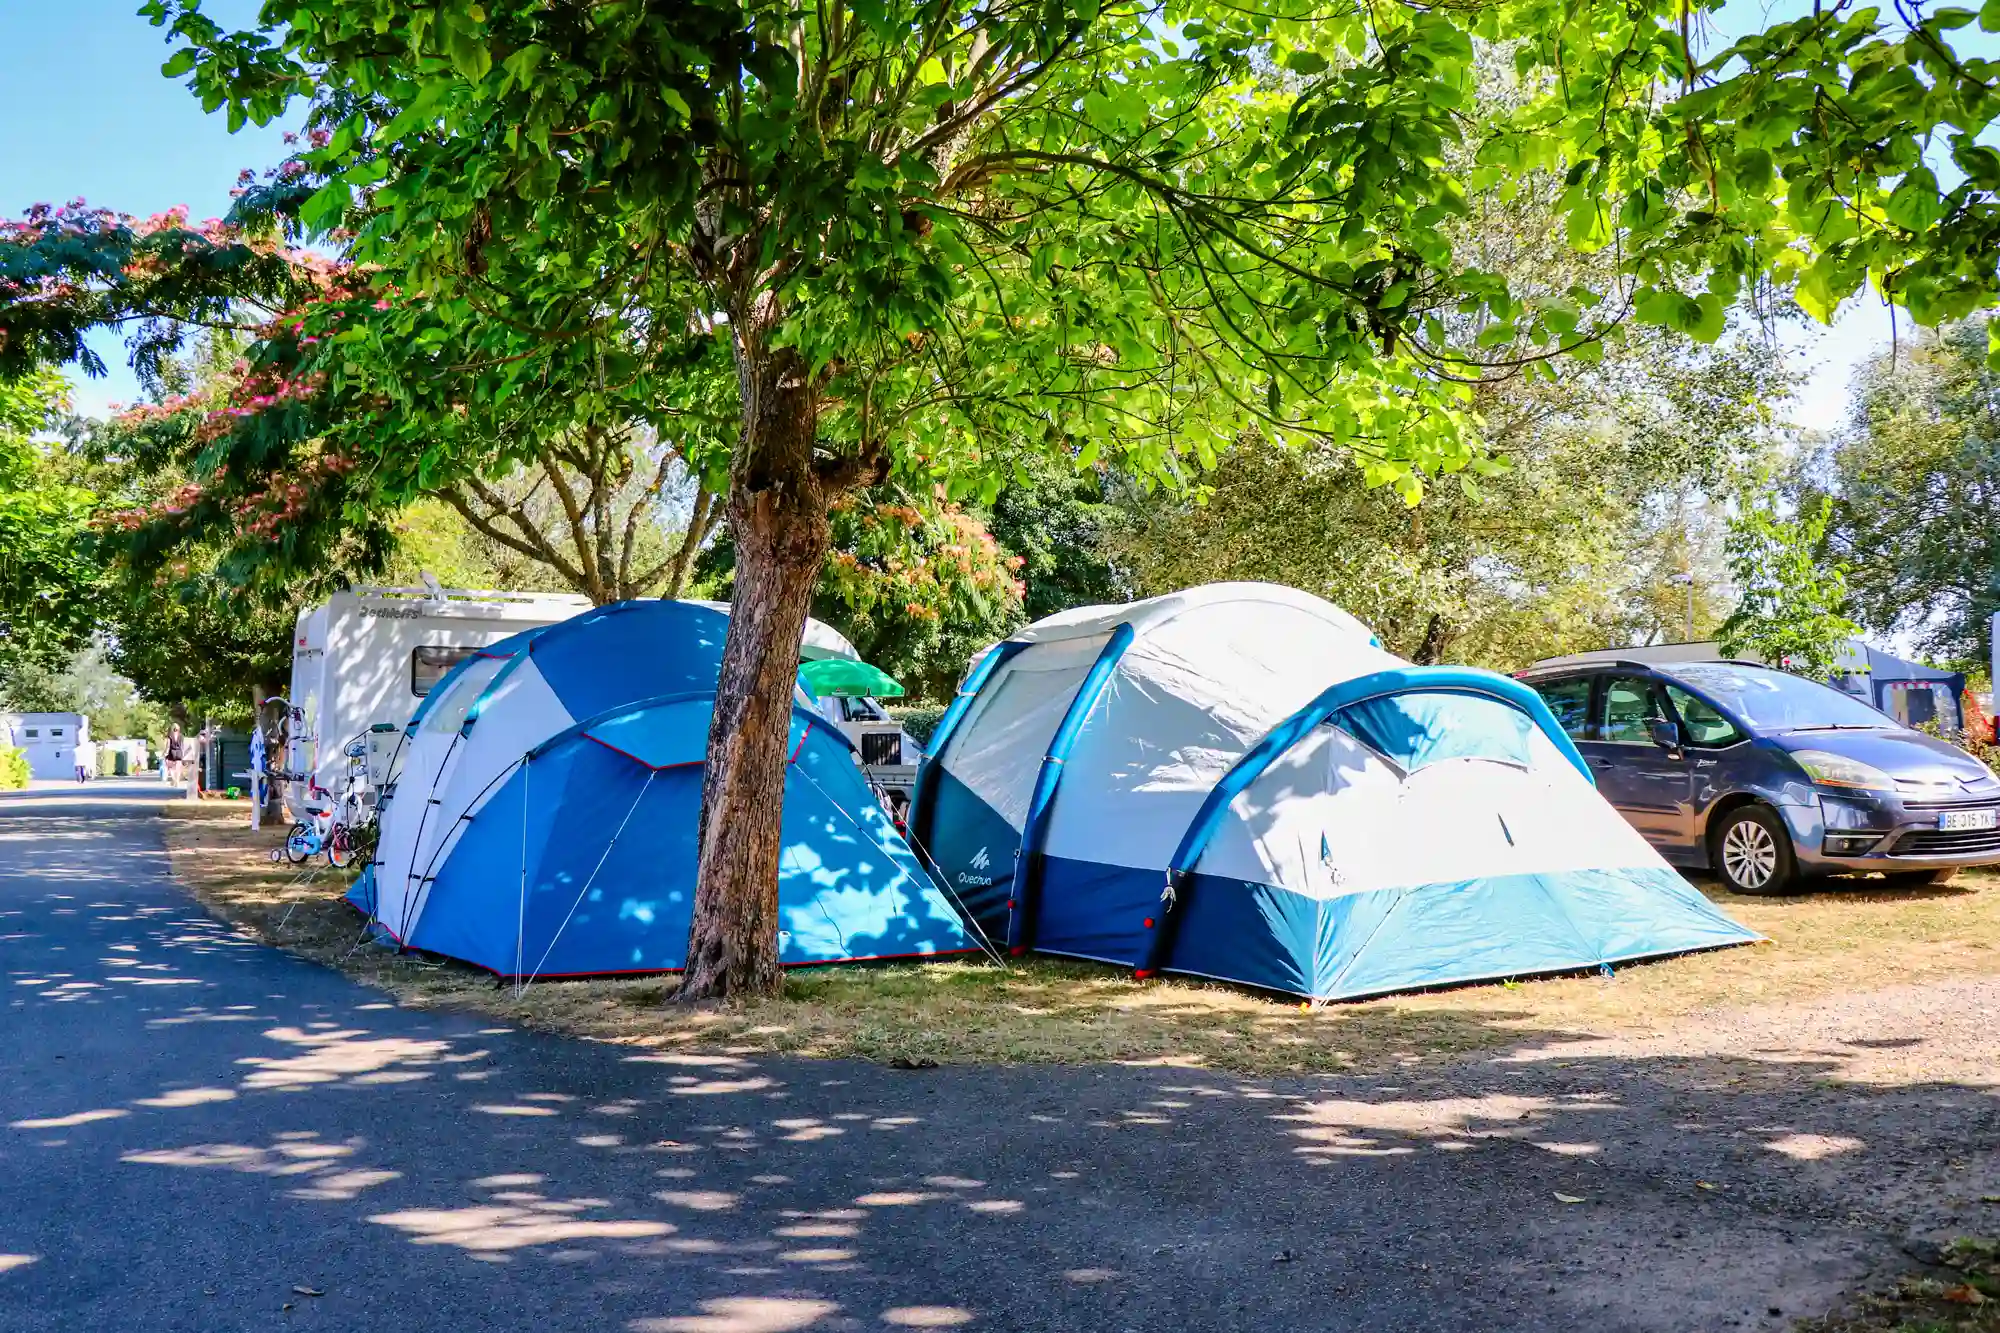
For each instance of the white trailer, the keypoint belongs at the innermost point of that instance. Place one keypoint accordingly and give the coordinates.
(363, 661)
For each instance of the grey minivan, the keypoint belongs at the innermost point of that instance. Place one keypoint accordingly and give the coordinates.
(1767, 778)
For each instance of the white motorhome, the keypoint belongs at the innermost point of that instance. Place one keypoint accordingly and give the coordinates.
(363, 661)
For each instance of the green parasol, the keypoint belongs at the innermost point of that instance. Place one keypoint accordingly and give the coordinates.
(844, 678)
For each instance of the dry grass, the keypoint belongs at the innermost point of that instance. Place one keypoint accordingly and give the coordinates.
(1960, 1293)
(1049, 1011)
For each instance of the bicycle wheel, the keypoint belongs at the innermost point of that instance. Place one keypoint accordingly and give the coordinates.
(339, 851)
(298, 844)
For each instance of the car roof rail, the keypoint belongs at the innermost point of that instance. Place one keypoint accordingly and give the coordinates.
(1600, 663)
(1594, 664)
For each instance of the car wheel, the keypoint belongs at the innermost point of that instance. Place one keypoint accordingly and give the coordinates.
(1753, 853)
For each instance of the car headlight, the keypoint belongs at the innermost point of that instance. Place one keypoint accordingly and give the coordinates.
(1837, 770)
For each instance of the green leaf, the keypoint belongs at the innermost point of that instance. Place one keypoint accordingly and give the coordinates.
(1915, 205)
(179, 63)
(1307, 63)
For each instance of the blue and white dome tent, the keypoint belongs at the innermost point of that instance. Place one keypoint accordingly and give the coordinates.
(545, 810)
(1238, 782)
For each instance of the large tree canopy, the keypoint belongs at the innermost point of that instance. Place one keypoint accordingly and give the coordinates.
(46, 569)
(934, 236)
(1915, 480)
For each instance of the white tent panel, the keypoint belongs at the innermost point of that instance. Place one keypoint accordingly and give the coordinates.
(1190, 696)
(999, 748)
(421, 757)
(1332, 817)
(446, 771)
(517, 713)
(1144, 617)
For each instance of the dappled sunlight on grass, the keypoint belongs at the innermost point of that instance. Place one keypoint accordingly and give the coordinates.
(1054, 1011)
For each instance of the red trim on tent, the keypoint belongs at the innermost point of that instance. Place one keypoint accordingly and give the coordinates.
(671, 971)
(369, 917)
(657, 768)
(687, 763)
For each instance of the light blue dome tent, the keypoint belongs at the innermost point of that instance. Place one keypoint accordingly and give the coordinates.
(1237, 782)
(542, 818)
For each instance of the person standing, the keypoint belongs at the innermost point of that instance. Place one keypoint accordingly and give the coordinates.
(176, 754)
(86, 761)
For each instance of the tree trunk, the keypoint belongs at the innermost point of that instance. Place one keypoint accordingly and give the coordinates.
(777, 515)
(1436, 635)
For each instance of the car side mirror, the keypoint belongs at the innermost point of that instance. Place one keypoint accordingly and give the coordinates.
(1666, 735)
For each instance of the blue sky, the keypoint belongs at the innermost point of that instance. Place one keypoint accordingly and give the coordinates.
(84, 111)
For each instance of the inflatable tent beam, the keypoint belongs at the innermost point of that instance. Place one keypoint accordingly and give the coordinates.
(1347, 694)
(1027, 899)
(923, 801)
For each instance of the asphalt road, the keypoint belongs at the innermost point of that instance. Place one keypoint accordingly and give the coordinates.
(197, 1132)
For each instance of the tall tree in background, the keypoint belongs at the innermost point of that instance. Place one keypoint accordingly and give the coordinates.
(931, 232)
(46, 571)
(1058, 519)
(1915, 481)
(1603, 482)
(1792, 606)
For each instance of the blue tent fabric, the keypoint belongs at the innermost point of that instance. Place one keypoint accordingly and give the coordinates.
(1546, 907)
(1887, 672)
(581, 860)
(1887, 666)
(967, 832)
(1356, 945)
(1416, 729)
(630, 650)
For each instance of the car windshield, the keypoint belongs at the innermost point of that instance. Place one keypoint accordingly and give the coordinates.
(1775, 701)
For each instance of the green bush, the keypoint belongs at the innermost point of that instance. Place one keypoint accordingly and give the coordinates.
(107, 762)
(920, 720)
(13, 768)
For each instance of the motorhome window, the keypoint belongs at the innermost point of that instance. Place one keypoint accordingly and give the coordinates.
(55, 733)
(448, 713)
(31, 733)
(429, 664)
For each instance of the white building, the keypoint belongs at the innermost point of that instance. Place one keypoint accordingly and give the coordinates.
(49, 739)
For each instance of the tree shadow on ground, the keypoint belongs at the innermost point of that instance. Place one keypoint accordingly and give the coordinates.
(204, 1127)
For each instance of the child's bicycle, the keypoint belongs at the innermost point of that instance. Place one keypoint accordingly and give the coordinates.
(344, 828)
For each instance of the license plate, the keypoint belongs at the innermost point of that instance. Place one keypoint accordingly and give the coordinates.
(1952, 821)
